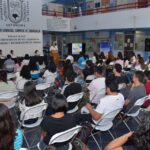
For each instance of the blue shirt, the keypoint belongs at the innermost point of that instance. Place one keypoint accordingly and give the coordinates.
(18, 140)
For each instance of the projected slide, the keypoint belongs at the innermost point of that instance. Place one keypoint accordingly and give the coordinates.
(76, 48)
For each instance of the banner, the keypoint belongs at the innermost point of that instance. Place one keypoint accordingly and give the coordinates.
(21, 43)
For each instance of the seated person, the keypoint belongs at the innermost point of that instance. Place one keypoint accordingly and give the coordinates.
(118, 77)
(147, 87)
(72, 88)
(111, 102)
(30, 99)
(97, 85)
(34, 69)
(138, 140)
(9, 64)
(25, 76)
(6, 86)
(50, 74)
(136, 91)
(56, 122)
(10, 137)
(89, 69)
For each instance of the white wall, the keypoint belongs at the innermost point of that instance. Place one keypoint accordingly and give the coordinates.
(133, 18)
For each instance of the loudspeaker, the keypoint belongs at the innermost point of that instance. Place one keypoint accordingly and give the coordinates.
(147, 44)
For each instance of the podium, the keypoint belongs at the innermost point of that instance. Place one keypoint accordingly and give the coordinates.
(55, 56)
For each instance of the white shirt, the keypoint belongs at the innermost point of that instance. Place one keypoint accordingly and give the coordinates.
(53, 48)
(97, 90)
(25, 62)
(69, 57)
(49, 76)
(110, 103)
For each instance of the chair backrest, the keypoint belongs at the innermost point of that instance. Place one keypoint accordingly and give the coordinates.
(108, 118)
(42, 86)
(90, 77)
(121, 86)
(98, 95)
(9, 98)
(65, 136)
(36, 111)
(8, 95)
(75, 97)
(137, 106)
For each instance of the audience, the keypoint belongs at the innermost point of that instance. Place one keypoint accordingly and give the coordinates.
(30, 99)
(95, 58)
(6, 86)
(111, 102)
(26, 60)
(97, 86)
(136, 91)
(50, 74)
(70, 57)
(9, 64)
(10, 138)
(25, 76)
(120, 59)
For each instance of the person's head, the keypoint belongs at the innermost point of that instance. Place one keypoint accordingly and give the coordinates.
(117, 69)
(0, 52)
(59, 104)
(138, 77)
(25, 72)
(3, 76)
(11, 51)
(70, 76)
(89, 64)
(32, 64)
(7, 129)
(51, 67)
(147, 75)
(120, 56)
(26, 57)
(18, 61)
(112, 88)
(8, 56)
(36, 52)
(31, 96)
(98, 71)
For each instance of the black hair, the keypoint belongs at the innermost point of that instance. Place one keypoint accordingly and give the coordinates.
(70, 75)
(59, 104)
(118, 68)
(120, 56)
(139, 75)
(51, 67)
(98, 70)
(25, 72)
(7, 129)
(141, 138)
(113, 86)
(32, 64)
(31, 96)
(8, 56)
(147, 74)
(26, 57)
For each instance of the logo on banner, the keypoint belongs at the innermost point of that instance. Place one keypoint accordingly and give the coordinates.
(16, 11)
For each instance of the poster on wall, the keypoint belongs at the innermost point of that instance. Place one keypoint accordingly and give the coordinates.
(21, 43)
(105, 46)
(20, 28)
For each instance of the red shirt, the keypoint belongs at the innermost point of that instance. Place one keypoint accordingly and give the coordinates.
(147, 88)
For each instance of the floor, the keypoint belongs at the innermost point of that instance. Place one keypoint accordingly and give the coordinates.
(33, 136)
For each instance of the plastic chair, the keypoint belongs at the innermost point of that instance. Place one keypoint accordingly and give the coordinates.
(98, 95)
(34, 112)
(74, 98)
(89, 78)
(105, 124)
(134, 111)
(64, 137)
(9, 98)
